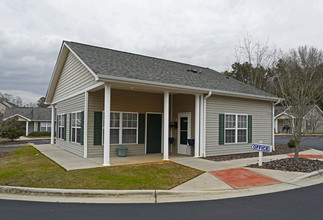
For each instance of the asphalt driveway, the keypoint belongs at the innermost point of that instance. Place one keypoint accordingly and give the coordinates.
(315, 142)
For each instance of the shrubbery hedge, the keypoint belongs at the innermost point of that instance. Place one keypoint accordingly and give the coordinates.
(39, 133)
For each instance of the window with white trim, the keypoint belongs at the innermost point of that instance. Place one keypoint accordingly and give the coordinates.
(236, 128)
(76, 127)
(45, 126)
(123, 128)
(61, 126)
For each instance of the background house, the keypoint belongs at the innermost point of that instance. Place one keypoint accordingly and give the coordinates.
(312, 122)
(31, 118)
(4, 105)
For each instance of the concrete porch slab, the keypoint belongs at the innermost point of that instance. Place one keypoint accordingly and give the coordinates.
(130, 160)
(71, 161)
(65, 159)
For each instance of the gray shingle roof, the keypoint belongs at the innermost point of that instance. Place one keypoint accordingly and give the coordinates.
(133, 66)
(32, 113)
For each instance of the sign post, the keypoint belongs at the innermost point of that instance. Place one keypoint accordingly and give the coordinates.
(261, 148)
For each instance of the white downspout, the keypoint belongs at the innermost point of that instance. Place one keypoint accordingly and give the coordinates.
(204, 122)
(273, 121)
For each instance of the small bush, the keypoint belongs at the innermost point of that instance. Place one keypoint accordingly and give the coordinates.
(39, 133)
(10, 129)
(291, 143)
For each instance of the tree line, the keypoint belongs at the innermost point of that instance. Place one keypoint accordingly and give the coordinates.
(296, 76)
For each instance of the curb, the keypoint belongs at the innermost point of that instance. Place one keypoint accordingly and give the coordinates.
(307, 175)
(77, 192)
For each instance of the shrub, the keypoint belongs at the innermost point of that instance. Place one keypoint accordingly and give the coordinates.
(11, 129)
(291, 143)
(39, 133)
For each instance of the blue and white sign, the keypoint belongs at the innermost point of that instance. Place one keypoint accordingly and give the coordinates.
(262, 147)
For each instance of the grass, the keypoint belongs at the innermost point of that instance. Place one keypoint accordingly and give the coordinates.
(29, 168)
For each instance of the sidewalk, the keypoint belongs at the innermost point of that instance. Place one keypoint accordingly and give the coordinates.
(233, 174)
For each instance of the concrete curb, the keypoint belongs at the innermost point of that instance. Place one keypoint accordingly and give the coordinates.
(77, 192)
(307, 175)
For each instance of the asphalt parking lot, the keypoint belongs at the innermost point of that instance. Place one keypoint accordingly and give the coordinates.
(315, 142)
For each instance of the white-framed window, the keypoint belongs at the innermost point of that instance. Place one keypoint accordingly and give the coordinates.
(236, 128)
(123, 128)
(45, 126)
(76, 127)
(61, 126)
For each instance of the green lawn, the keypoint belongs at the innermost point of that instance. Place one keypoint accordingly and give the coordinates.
(29, 168)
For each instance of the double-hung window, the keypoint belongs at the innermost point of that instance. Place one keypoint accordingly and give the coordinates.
(61, 126)
(123, 128)
(76, 127)
(45, 126)
(236, 127)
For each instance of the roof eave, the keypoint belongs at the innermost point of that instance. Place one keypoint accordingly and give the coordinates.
(106, 78)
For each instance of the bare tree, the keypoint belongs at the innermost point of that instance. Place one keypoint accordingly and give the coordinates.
(257, 58)
(298, 79)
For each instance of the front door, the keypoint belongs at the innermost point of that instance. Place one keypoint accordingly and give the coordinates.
(154, 133)
(184, 133)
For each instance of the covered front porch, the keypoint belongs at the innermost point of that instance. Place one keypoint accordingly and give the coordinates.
(146, 120)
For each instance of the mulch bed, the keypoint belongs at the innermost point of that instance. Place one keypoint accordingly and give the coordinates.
(279, 149)
(5, 154)
(9, 142)
(289, 164)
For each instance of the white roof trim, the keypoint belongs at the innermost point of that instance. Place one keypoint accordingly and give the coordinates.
(79, 92)
(166, 85)
(19, 116)
(285, 113)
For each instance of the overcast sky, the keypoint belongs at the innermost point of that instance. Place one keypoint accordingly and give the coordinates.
(196, 32)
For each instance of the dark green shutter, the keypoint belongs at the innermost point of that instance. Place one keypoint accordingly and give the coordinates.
(97, 128)
(249, 129)
(56, 126)
(65, 116)
(38, 126)
(82, 128)
(141, 129)
(70, 127)
(221, 128)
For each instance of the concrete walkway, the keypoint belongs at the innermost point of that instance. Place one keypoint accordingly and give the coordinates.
(209, 182)
(65, 159)
(71, 161)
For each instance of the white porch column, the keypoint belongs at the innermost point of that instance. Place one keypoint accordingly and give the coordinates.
(107, 107)
(52, 129)
(197, 126)
(86, 110)
(27, 128)
(166, 124)
(201, 127)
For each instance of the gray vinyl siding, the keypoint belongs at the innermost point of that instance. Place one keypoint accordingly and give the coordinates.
(66, 107)
(123, 101)
(183, 103)
(74, 77)
(262, 125)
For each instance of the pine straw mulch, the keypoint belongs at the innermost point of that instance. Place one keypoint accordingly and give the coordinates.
(289, 164)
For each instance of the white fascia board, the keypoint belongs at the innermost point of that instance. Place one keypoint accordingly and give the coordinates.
(79, 92)
(284, 114)
(18, 116)
(166, 86)
(53, 74)
(86, 66)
